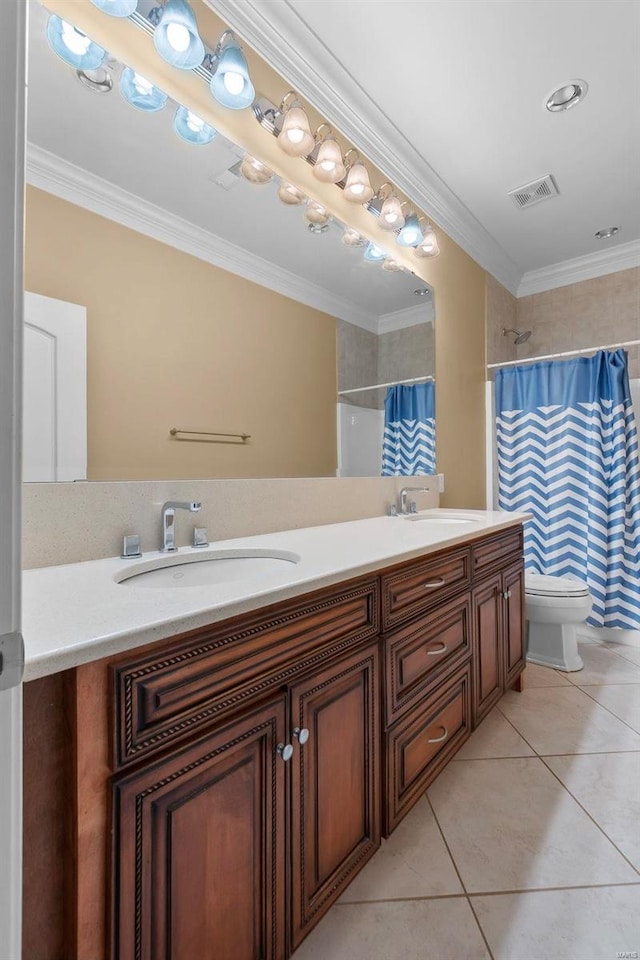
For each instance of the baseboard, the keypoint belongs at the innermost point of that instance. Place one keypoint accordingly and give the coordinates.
(629, 637)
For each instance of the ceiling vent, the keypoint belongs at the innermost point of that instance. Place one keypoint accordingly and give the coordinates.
(534, 192)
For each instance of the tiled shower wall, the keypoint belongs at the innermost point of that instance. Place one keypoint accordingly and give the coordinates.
(366, 358)
(592, 313)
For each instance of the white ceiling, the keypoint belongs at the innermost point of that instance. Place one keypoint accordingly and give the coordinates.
(452, 95)
(140, 153)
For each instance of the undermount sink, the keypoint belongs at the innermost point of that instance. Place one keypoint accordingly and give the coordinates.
(207, 568)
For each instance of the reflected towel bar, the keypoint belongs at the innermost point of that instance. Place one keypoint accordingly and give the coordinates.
(210, 436)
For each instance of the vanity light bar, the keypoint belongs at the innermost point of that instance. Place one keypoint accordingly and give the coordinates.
(270, 118)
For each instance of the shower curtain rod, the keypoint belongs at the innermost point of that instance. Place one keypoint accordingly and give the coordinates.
(378, 386)
(566, 353)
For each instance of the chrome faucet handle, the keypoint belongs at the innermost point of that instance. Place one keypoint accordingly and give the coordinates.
(413, 507)
(392, 510)
(131, 546)
(200, 538)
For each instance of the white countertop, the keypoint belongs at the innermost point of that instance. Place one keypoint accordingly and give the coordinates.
(76, 613)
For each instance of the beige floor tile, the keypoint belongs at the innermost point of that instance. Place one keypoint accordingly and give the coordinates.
(511, 826)
(622, 700)
(538, 676)
(608, 787)
(557, 720)
(602, 665)
(417, 930)
(597, 924)
(413, 862)
(624, 650)
(495, 737)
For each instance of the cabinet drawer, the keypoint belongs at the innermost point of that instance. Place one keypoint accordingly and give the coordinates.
(407, 592)
(497, 550)
(417, 655)
(164, 696)
(420, 745)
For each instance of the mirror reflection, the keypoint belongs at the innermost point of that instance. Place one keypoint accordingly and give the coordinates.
(186, 320)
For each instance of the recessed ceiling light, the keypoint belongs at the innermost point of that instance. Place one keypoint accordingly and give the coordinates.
(99, 80)
(566, 96)
(606, 233)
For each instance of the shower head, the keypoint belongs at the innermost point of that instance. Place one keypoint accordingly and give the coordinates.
(520, 337)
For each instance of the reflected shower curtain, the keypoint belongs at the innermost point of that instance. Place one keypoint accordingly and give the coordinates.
(568, 454)
(409, 443)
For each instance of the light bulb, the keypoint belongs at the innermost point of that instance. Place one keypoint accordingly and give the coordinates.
(194, 123)
(141, 84)
(328, 165)
(357, 189)
(178, 37)
(74, 40)
(234, 82)
(295, 135)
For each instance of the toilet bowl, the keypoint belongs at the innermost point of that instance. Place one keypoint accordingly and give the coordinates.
(555, 608)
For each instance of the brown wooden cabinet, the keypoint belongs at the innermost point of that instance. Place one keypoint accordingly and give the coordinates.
(199, 847)
(335, 797)
(241, 774)
(498, 636)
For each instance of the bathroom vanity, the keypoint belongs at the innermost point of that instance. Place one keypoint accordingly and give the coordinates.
(213, 792)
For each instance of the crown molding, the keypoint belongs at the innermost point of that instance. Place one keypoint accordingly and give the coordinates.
(276, 32)
(624, 256)
(72, 183)
(409, 317)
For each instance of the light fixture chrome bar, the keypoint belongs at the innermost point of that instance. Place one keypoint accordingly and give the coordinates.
(174, 431)
(392, 383)
(565, 353)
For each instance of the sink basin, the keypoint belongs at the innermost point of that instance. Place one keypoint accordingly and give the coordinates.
(207, 568)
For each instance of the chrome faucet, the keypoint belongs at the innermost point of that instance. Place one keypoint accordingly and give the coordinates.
(169, 520)
(402, 496)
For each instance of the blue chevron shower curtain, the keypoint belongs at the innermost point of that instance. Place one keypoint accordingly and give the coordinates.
(409, 443)
(568, 454)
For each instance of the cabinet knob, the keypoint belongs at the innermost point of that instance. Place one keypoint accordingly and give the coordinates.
(284, 750)
(507, 595)
(431, 584)
(443, 737)
(301, 735)
(436, 653)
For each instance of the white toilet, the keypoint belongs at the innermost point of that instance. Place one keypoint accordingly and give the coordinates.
(555, 608)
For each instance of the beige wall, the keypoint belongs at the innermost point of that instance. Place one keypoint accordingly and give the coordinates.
(174, 341)
(592, 313)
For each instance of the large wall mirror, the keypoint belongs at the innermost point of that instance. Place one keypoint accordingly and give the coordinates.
(128, 229)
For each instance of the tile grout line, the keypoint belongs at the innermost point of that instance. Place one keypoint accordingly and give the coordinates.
(492, 893)
(601, 829)
(459, 875)
(604, 706)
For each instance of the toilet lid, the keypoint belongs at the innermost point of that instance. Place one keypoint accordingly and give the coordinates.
(538, 585)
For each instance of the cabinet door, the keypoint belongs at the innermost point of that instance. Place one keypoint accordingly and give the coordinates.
(487, 604)
(513, 622)
(199, 855)
(335, 783)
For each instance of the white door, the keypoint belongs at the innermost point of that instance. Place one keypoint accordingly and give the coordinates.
(54, 444)
(12, 111)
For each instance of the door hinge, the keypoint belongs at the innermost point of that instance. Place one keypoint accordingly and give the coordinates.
(11, 659)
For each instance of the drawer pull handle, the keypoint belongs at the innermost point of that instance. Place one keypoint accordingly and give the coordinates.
(301, 735)
(284, 750)
(443, 737)
(436, 653)
(431, 584)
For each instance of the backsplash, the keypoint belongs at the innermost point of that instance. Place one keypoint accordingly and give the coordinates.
(71, 522)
